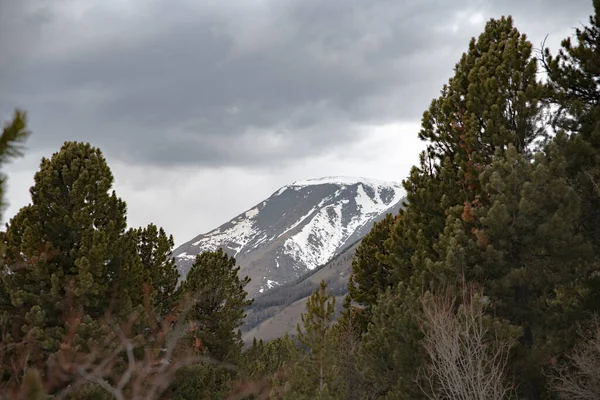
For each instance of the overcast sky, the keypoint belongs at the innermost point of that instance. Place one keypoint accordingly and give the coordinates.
(204, 108)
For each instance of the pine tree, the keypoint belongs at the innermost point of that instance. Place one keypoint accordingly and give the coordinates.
(526, 248)
(316, 324)
(315, 375)
(492, 103)
(264, 360)
(573, 79)
(155, 249)
(390, 354)
(219, 301)
(371, 272)
(516, 227)
(14, 134)
(574, 82)
(524, 226)
(250, 361)
(67, 251)
(492, 100)
(318, 367)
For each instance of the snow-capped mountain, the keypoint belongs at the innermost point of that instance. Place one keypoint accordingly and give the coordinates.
(298, 228)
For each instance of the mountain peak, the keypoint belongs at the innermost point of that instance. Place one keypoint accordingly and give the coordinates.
(298, 228)
(343, 181)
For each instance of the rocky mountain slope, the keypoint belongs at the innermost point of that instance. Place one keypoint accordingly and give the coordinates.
(300, 227)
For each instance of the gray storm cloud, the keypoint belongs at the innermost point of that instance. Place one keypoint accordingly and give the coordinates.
(204, 108)
(230, 83)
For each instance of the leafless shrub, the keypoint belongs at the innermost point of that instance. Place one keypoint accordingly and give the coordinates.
(468, 353)
(579, 379)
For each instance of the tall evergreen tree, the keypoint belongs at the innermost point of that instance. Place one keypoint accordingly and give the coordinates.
(67, 251)
(492, 100)
(510, 217)
(218, 309)
(155, 249)
(526, 248)
(574, 80)
(315, 375)
(219, 300)
(492, 103)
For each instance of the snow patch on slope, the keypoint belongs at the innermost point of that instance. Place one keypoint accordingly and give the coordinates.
(365, 203)
(187, 256)
(302, 219)
(318, 240)
(308, 214)
(238, 236)
(326, 233)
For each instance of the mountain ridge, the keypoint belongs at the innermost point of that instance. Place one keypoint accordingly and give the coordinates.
(300, 227)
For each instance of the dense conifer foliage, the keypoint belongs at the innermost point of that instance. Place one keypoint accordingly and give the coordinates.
(155, 249)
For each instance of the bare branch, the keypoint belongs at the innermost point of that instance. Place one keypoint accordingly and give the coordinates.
(125, 364)
(591, 178)
(579, 379)
(468, 359)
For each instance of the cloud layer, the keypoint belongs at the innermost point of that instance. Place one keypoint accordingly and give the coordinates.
(251, 85)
